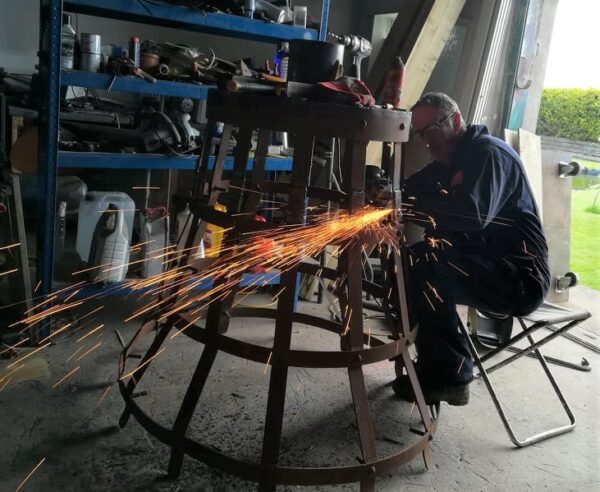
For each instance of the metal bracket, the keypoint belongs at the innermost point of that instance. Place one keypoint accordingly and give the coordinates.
(566, 169)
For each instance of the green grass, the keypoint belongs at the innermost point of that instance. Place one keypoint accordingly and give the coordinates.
(585, 237)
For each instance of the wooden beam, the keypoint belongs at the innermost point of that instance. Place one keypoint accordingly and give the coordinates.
(411, 18)
(429, 46)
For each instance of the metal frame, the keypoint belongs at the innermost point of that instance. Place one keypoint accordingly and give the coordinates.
(357, 127)
(569, 322)
(49, 67)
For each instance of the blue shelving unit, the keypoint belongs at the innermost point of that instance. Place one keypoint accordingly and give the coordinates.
(52, 79)
(101, 160)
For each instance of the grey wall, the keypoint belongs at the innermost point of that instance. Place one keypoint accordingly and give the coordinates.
(19, 25)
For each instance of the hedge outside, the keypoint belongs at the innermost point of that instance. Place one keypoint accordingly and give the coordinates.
(570, 113)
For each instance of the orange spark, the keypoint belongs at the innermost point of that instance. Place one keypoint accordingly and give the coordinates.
(22, 484)
(268, 362)
(10, 246)
(99, 327)
(21, 359)
(142, 364)
(5, 384)
(455, 267)
(428, 300)
(104, 395)
(69, 374)
(75, 353)
(88, 352)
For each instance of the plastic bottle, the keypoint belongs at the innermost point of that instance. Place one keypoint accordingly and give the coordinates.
(67, 44)
(110, 252)
(153, 237)
(135, 53)
(183, 223)
(394, 82)
(282, 60)
(213, 236)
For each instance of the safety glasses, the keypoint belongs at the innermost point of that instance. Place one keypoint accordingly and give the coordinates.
(431, 130)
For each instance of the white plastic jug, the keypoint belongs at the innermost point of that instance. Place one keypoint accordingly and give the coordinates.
(182, 227)
(184, 224)
(90, 210)
(154, 238)
(113, 259)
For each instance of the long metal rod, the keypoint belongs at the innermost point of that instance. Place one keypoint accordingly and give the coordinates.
(534, 346)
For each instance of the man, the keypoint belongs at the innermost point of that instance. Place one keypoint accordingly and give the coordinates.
(484, 245)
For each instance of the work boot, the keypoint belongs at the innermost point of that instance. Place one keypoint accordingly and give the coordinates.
(453, 394)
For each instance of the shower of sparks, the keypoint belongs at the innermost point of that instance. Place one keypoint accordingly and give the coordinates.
(178, 289)
(22, 484)
(281, 249)
(66, 376)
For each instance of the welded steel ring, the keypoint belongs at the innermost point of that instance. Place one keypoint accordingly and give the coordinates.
(285, 475)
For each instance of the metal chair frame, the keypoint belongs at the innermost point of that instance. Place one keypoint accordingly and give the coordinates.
(568, 320)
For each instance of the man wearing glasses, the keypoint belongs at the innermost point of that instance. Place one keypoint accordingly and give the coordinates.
(483, 245)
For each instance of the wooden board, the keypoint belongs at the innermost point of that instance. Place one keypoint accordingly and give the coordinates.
(528, 146)
(428, 48)
(530, 150)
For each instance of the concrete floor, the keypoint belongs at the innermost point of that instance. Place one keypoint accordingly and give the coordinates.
(74, 426)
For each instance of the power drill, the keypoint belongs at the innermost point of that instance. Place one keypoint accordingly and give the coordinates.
(357, 46)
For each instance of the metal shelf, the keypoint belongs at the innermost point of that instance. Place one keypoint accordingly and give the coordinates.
(153, 12)
(145, 11)
(98, 160)
(133, 84)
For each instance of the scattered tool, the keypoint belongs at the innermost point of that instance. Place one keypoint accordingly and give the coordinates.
(236, 85)
(126, 66)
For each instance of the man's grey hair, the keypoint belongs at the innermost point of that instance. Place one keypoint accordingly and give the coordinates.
(439, 100)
